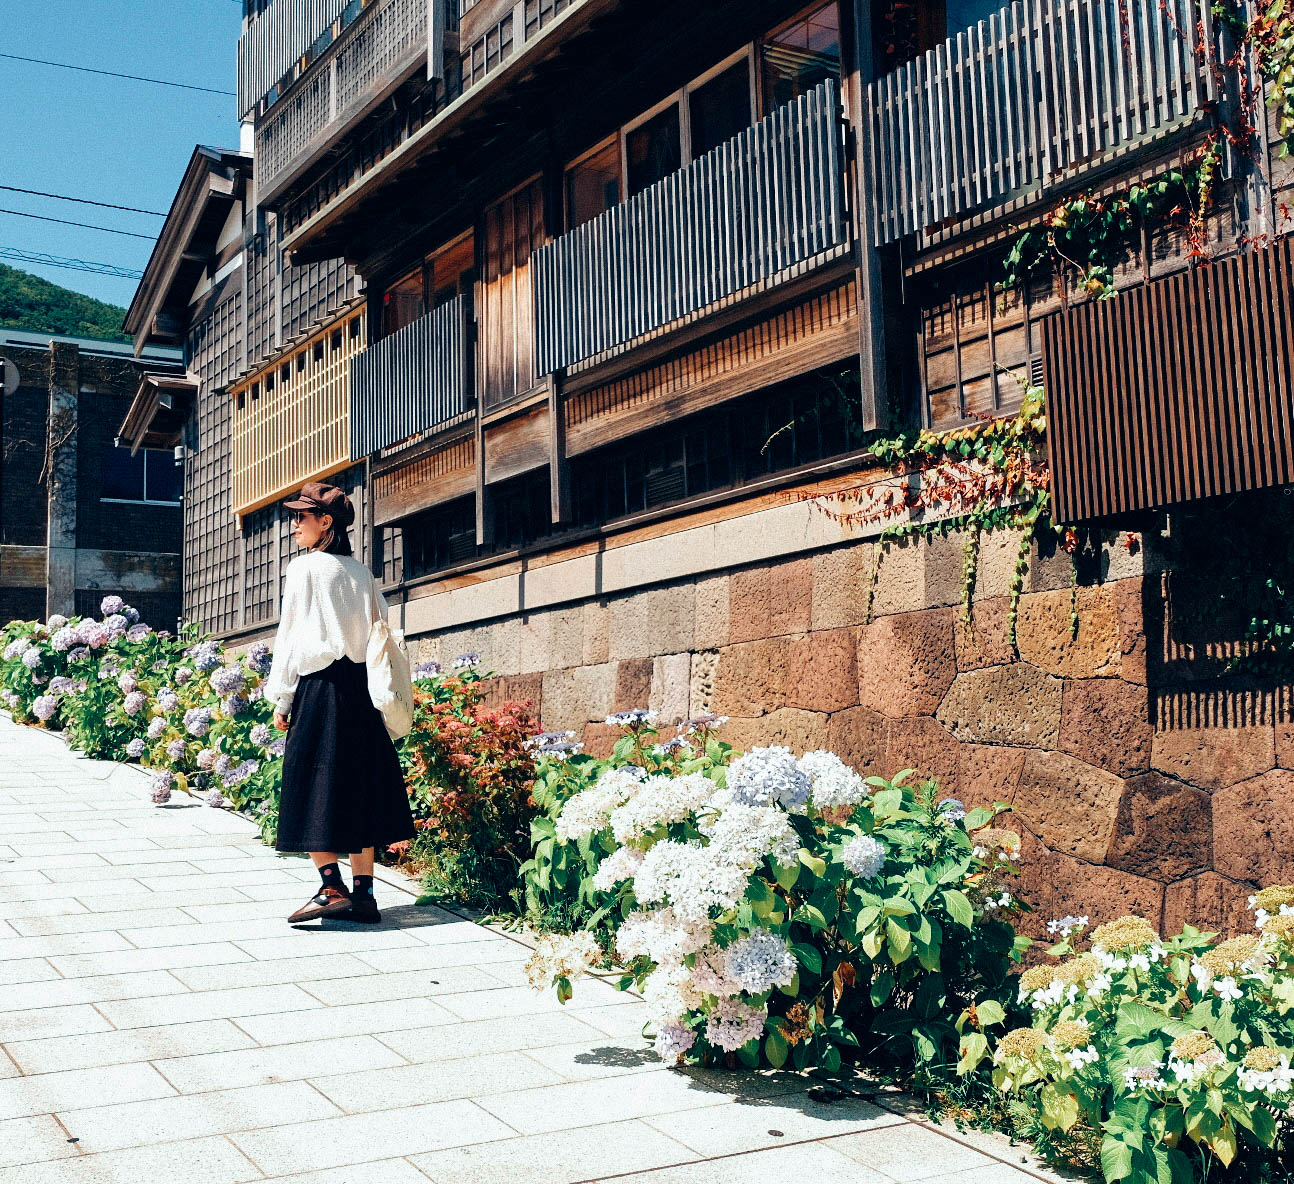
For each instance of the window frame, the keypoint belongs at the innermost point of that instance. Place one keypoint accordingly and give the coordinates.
(764, 38)
(146, 500)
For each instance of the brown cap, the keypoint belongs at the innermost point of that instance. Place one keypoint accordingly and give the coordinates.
(324, 499)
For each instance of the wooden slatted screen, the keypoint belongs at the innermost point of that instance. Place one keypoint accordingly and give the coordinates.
(514, 228)
(277, 39)
(1039, 91)
(751, 213)
(1178, 390)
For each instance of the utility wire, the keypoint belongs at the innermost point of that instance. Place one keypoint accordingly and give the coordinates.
(124, 273)
(83, 225)
(85, 201)
(113, 74)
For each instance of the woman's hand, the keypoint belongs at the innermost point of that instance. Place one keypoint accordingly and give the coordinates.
(280, 721)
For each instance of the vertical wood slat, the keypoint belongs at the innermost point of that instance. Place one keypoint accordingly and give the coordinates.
(1021, 102)
(751, 212)
(411, 380)
(1178, 390)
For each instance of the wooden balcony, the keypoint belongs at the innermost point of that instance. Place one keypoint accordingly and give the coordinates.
(762, 209)
(1032, 100)
(275, 42)
(374, 54)
(413, 381)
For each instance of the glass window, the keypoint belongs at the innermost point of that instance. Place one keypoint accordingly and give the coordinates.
(801, 55)
(163, 478)
(720, 109)
(962, 14)
(403, 303)
(653, 150)
(453, 271)
(151, 475)
(593, 185)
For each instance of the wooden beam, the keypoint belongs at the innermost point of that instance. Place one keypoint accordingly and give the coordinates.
(559, 467)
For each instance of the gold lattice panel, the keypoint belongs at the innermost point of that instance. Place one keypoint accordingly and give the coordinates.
(291, 419)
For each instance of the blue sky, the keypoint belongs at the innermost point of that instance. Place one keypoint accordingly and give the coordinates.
(107, 138)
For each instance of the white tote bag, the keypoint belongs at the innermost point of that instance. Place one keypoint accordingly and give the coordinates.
(390, 681)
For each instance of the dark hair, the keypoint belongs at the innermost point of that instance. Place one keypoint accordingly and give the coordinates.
(334, 541)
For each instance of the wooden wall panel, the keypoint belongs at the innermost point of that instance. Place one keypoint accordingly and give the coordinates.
(516, 445)
(1178, 390)
(513, 229)
(819, 331)
(440, 476)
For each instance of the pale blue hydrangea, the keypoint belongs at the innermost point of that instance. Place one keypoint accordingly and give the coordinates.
(222, 763)
(44, 706)
(215, 799)
(205, 655)
(673, 1041)
(467, 660)
(760, 961)
(167, 699)
(56, 621)
(111, 604)
(131, 614)
(156, 727)
(79, 654)
(197, 721)
(136, 748)
(115, 626)
(128, 681)
(134, 702)
(205, 758)
(951, 810)
(277, 747)
(259, 658)
(176, 749)
(137, 633)
(228, 680)
(768, 776)
(31, 658)
(162, 781)
(425, 670)
(85, 627)
(63, 639)
(182, 675)
(60, 684)
(240, 772)
(234, 705)
(261, 735)
(14, 648)
(864, 856)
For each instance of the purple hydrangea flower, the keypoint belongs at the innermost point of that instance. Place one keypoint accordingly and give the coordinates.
(40, 679)
(205, 655)
(216, 799)
(197, 721)
(115, 626)
(134, 702)
(241, 772)
(31, 657)
(167, 699)
(259, 657)
(11, 699)
(131, 614)
(60, 684)
(426, 670)
(79, 654)
(158, 666)
(63, 639)
(137, 633)
(156, 727)
(84, 628)
(182, 675)
(277, 747)
(228, 680)
(44, 706)
(205, 758)
(98, 637)
(234, 705)
(261, 735)
(56, 621)
(176, 749)
(162, 780)
(111, 604)
(14, 648)
(136, 748)
(467, 660)
(128, 681)
(221, 763)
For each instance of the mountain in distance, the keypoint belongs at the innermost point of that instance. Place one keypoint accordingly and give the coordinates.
(29, 302)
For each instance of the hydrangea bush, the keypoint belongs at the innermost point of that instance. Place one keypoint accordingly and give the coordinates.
(1174, 1055)
(772, 910)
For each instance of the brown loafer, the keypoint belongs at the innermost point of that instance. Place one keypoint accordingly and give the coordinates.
(363, 908)
(327, 902)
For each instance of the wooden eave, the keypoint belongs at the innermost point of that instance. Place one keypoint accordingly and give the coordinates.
(155, 418)
(212, 183)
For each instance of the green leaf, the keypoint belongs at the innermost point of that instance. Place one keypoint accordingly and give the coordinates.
(1059, 1108)
(776, 1049)
(1116, 1159)
(900, 941)
(807, 956)
(973, 1049)
(816, 865)
(977, 818)
(786, 876)
(882, 987)
(422, 901)
(959, 908)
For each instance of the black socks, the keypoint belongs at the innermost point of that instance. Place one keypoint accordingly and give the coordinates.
(363, 886)
(330, 874)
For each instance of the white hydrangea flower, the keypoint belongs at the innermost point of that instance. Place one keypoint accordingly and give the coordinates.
(1227, 990)
(561, 955)
(670, 994)
(864, 856)
(710, 974)
(767, 776)
(589, 811)
(691, 878)
(622, 864)
(745, 834)
(733, 1024)
(1272, 1082)
(760, 961)
(661, 936)
(657, 801)
(1078, 1057)
(832, 782)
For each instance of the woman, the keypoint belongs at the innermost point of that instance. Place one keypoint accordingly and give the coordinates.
(343, 790)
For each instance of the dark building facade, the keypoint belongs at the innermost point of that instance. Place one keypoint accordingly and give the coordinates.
(81, 516)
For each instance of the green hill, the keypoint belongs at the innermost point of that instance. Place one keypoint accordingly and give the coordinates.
(29, 302)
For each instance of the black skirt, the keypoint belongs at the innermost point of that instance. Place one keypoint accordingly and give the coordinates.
(343, 789)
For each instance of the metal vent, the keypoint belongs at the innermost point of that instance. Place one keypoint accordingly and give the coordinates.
(1035, 369)
(665, 485)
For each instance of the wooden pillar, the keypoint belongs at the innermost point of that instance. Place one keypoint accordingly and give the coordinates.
(60, 467)
(559, 467)
(860, 71)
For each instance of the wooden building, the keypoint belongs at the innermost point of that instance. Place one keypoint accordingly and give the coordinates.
(640, 281)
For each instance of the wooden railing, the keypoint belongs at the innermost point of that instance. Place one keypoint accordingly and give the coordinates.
(381, 47)
(753, 212)
(276, 40)
(411, 380)
(1040, 92)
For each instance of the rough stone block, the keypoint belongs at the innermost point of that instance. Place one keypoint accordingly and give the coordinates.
(998, 550)
(800, 731)
(1214, 756)
(526, 689)
(533, 643)
(1056, 884)
(906, 662)
(985, 643)
(573, 697)
(790, 607)
(944, 560)
(597, 633)
(858, 737)
(599, 739)
(925, 746)
(1045, 638)
(1106, 722)
(633, 684)
(751, 678)
(705, 665)
(1164, 830)
(1004, 705)
(989, 773)
(900, 579)
(565, 637)
(1209, 902)
(653, 621)
(840, 586)
(1130, 610)
(823, 673)
(748, 604)
(1253, 829)
(1069, 804)
(1285, 744)
(670, 693)
(1050, 568)
(711, 629)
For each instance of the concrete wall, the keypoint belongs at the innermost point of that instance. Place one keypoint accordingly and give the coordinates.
(1126, 803)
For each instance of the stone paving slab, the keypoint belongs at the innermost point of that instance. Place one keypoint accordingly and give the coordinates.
(163, 1022)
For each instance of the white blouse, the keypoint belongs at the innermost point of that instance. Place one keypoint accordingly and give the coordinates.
(329, 605)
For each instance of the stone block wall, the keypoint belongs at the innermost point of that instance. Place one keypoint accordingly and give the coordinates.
(1123, 808)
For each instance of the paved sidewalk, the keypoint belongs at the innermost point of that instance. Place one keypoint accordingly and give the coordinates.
(162, 1022)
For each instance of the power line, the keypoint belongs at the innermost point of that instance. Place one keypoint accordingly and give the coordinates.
(85, 201)
(113, 74)
(83, 225)
(124, 273)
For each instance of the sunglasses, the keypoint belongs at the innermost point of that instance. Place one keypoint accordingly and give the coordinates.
(297, 515)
